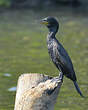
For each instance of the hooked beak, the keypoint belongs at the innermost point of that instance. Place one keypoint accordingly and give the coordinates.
(44, 22)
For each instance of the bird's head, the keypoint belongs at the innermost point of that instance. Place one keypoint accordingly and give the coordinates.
(51, 23)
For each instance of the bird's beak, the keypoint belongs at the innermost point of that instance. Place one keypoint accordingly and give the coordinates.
(44, 22)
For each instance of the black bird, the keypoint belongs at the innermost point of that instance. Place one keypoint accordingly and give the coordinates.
(57, 52)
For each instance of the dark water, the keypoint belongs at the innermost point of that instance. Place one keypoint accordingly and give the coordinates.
(23, 49)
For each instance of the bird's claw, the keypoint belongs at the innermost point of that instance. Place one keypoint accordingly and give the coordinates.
(55, 79)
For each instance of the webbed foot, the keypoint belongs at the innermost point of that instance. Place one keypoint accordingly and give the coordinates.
(60, 77)
(55, 79)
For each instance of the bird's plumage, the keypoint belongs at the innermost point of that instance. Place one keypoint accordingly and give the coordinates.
(57, 52)
(60, 57)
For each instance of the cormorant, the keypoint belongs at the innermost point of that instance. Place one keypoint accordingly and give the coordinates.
(57, 52)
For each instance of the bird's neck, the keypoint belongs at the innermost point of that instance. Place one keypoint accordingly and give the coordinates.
(53, 29)
(51, 35)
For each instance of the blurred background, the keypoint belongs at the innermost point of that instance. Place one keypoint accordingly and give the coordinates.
(23, 46)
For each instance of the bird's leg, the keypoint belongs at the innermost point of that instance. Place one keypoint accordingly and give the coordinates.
(61, 76)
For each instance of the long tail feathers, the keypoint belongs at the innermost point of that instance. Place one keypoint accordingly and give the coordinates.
(78, 89)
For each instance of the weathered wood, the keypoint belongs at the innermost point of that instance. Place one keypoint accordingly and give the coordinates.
(36, 92)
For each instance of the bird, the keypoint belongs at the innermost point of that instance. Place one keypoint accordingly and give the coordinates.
(57, 52)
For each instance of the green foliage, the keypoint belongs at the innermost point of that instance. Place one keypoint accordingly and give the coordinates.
(5, 3)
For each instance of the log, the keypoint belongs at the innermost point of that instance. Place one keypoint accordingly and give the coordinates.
(37, 92)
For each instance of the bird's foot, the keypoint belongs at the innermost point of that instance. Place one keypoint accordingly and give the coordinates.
(55, 79)
(60, 77)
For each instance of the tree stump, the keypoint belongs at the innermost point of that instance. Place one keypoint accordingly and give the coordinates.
(37, 92)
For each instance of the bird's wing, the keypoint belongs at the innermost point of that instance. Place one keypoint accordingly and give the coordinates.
(63, 58)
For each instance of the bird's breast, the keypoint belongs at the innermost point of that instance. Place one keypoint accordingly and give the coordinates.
(52, 46)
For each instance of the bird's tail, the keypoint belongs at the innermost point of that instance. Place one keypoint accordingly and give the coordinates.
(78, 89)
